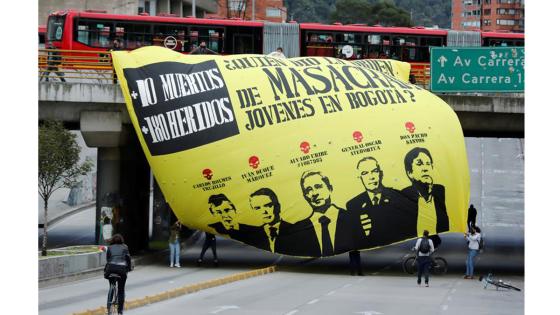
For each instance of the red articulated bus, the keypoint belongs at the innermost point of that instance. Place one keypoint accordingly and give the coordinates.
(95, 31)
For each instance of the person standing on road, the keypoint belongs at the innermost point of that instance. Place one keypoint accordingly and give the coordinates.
(53, 63)
(175, 245)
(473, 238)
(355, 263)
(119, 262)
(471, 217)
(424, 248)
(209, 241)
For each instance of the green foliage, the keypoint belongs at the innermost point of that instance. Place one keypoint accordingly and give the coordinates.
(59, 155)
(352, 12)
(428, 12)
(385, 12)
(309, 10)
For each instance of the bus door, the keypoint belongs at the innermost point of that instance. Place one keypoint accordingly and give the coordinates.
(243, 44)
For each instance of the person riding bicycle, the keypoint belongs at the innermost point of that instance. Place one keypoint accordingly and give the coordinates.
(118, 262)
(424, 248)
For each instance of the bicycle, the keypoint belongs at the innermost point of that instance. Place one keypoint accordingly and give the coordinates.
(112, 297)
(489, 279)
(437, 267)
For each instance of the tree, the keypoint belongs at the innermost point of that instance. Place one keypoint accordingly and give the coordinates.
(387, 13)
(59, 155)
(383, 12)
(352, 11)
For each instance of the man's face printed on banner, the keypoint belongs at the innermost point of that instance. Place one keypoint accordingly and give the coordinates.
(370, 174)
(263, 205)
(226, 213)
(316, 192)
(422, 169)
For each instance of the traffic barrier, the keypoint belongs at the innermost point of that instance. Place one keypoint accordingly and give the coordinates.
(76, 66)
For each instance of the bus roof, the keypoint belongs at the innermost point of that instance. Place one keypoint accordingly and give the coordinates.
(161, 19)
(503, 35)
(373, 29)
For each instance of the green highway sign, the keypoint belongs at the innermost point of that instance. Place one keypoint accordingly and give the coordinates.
(480, 69)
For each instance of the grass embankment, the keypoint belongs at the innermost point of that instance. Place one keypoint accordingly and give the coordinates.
(72, 250)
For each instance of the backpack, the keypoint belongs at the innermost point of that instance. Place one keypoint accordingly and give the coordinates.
(481, 243)
(424, 247)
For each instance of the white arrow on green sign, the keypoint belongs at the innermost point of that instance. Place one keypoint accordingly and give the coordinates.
(480, 69)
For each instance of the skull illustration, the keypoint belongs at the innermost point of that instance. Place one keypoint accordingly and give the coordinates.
(358, 136)
(304, 147)
(254, 162)
(207, 173)
(410, 127)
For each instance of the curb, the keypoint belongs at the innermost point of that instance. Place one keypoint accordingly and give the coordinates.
(191, 288)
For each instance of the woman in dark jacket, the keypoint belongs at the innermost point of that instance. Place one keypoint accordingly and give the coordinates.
(118, 262)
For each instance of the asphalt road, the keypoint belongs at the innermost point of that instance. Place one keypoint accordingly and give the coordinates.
(324, 286)
(78, 229)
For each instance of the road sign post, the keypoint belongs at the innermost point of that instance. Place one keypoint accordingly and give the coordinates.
(480, 69)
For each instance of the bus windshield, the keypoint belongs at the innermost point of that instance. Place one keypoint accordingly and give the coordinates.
(55, 26)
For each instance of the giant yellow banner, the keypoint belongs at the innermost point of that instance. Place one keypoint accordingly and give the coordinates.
(309, 156)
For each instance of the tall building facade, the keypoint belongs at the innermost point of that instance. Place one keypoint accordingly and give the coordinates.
(264, 10)
(488, 15)
(130, 7)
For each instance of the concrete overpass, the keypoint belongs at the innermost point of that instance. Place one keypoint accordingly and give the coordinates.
(123, 174)
(81, 103)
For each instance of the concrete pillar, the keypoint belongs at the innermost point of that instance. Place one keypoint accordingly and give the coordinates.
(108, 182)
(135, 194)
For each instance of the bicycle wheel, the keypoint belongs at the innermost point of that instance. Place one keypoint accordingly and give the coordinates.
(114, 304)
(409, 265)
(439, 266)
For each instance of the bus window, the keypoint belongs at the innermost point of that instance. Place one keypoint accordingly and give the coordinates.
(170, 36)
(212, 36)
(55, 26)
(94, 33)
(134, 35)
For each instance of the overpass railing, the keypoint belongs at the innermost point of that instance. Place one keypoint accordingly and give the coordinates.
(75, 66)
(97, 67)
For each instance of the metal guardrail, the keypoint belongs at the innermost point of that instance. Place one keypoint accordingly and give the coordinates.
(75, 66)
(97, 67)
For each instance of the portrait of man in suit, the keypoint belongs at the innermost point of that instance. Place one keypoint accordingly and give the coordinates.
(224, 210)
(378, 215)
(429, 198)
(322, 233)
(274, 233)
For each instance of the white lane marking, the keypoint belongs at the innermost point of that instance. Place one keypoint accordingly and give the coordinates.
(331, 293)
(444, 307)
(454, 290)
(224, 308)
(346, 285)
(313, 301)
(292, 312)
(368, 313)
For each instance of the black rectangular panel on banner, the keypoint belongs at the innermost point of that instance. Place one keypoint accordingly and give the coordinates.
(181, 106)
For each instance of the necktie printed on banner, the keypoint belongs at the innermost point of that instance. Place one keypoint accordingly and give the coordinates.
(244, 142)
